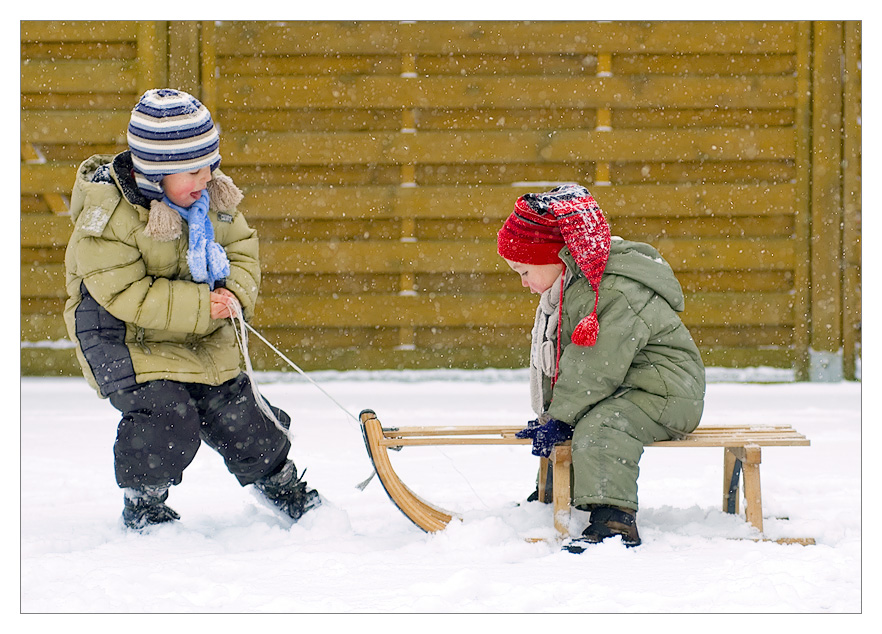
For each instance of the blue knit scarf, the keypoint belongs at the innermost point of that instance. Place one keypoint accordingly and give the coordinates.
(207, 259)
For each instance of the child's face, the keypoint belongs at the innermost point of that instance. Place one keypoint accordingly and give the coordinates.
(537, 277)
(185, 188)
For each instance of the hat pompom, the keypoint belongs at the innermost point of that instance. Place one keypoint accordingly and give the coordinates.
(163, 223)
(586, 331)
(223, 192)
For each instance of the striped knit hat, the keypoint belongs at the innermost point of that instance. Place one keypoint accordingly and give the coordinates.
(169, 132)
(541, 224)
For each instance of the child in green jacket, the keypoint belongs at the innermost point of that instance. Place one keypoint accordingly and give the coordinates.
(612, 366)
(159, 260)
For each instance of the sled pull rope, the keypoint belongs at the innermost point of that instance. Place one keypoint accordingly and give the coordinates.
(243, 342)
(242, 338)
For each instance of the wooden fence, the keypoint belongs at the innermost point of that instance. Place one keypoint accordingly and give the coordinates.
(380, 158)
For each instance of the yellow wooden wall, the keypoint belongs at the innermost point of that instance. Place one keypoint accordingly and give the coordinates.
(380, 158)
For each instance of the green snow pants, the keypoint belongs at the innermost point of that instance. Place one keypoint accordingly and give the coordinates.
(607, 445)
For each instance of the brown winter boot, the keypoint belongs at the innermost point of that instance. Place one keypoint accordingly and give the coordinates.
(607, 521)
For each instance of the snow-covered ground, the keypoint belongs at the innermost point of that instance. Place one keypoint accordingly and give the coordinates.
(358, 553)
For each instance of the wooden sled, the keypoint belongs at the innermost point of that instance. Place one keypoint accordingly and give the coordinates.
(741, 458)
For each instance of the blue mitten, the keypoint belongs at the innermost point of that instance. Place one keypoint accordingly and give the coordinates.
(546, 436)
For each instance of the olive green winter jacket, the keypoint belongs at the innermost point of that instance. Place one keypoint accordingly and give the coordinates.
(133, 309)
(641, 382)
(643, 350)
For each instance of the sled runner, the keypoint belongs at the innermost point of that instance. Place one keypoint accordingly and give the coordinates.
(741, 460)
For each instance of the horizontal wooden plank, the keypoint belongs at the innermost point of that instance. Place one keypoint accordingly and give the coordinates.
(503, 37)
(37, 328)
(391, 257)
(491, 118)
(78, 30)
(496, 202)
(42, 280)
(641, 229)
(706, 309)
(441, 257)
(705, 64)
(626, 207)
(79, 50)
(507, 146)
(80, 76)
(52, 361)
(365, 91)
(48, 178)
(49, 362)
(662, 145)
(667, 118)
(732, 336)
(738, 309)
(45, 230)
(770, 172)
(729, 254)
(376, 257)
(477, 64)
(62, 361)
(81, 126)
(318, 328)
(750, 357)
(468, 201)
(396, 310)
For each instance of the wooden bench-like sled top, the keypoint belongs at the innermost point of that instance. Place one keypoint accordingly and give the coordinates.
(705, 436)
(741, 443)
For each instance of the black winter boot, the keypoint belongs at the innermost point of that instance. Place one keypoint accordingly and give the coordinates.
(287, 492)
(145, 507)
(607, 521)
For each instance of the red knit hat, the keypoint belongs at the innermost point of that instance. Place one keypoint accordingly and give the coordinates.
(542, 223)
(529, 237)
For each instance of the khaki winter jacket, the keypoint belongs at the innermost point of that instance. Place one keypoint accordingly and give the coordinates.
(133, 309)
(643, 353)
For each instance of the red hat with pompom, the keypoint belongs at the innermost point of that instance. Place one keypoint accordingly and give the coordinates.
(541, 224)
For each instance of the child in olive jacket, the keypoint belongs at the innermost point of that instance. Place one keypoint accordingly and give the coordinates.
(159, 260)
(612, 366)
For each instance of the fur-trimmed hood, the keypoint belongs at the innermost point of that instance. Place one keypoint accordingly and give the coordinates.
(102, 178)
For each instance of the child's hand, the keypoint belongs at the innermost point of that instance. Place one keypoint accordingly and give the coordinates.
(546, 436)
(224, 304)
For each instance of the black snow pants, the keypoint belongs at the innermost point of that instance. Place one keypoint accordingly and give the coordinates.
(164, 422)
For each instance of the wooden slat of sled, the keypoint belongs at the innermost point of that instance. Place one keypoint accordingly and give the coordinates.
(710, 436)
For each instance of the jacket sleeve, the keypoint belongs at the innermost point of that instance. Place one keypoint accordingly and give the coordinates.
(115, 274)
(240, 242)
(589, 374)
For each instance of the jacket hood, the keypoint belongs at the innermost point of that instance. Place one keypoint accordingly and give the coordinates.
(90, 194)
(641, 263)
(104, 179)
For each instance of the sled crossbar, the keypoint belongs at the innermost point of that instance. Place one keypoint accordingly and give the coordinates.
(741, 444)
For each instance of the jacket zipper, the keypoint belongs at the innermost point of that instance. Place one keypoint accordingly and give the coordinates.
(139, 337)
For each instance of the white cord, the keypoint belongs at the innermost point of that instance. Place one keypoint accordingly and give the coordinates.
(242, 337)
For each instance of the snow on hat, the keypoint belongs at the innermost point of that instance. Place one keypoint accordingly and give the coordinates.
(572, 212)
(170, 132)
